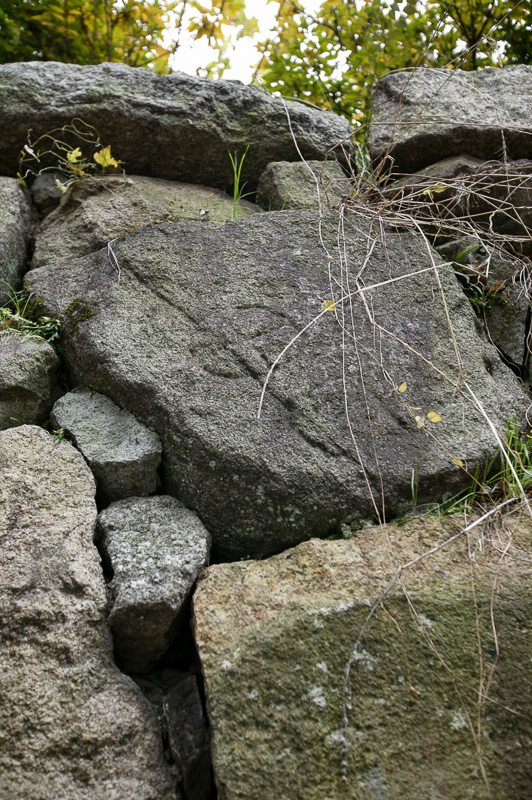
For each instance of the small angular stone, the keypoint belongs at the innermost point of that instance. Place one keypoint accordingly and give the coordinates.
(123, 454)
(156, 548)
(284, 185)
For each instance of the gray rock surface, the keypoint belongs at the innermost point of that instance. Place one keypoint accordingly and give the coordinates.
(156, 548)
(71, 725)
(188, 739)
(185, 337)
(169, 126)
(274, 637)
(285, 185)
(429, 114)
(15, 232)
(491, 282)
(28, 380)
(95, 211)
(121, 452)
(45, 193)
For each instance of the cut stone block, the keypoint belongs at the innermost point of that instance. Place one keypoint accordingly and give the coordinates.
(156, 548)
(122, 453)
(169, 126)
(287, 185)
(425, 115)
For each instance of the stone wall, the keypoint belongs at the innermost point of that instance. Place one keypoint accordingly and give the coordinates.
(262, 385)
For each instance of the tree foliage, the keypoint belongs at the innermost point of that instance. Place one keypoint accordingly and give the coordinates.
(93, 31)
(333, 57)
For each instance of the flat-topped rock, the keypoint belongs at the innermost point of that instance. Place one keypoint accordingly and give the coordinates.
(156, 548)
(185, 334)
(169, 126)
(429, 114)
(121, 452)
(71, 725)
(97, 210)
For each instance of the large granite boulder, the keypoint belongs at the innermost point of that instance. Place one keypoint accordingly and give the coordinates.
(423, 116)
(71, 725)
(169, 126)
(121, 452)
(435, 697)
(155, 548)
(15, 233)
(94, 211)
(187, 330)
(28, 379)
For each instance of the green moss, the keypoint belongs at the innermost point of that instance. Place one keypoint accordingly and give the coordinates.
(78, 311)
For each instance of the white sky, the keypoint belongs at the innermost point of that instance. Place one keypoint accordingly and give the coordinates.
(192, 55)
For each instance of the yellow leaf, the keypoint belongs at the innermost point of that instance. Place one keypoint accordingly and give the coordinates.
(433, 416)
(413, 692)
(458, 462)
(402, 388)
(74, 155)
(328, 305)
(420, 420)
(105, 159)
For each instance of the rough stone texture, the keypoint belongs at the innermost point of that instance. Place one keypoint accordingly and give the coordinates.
(499, 200)
(277, 729)
(506, 311)
(189, 739)
(447, 169)
(28, 372)
(156, 548)
(169, 126)
(121, 452)
(71, 726)
(287, 185)
(45, 193)
(185, 336)
(430, 114)
(15, 233)
(95, 211)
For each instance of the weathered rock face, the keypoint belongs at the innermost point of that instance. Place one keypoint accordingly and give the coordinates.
(430, 114)
(287, 185)
(95, 211)
(15, 232)
(156, 549)
(45, 192)
(274, 638)
(188, 738)
(122, 453)
(502, 303)
(169, 126)
(71, 725)
(184, 337)
(28, 373)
